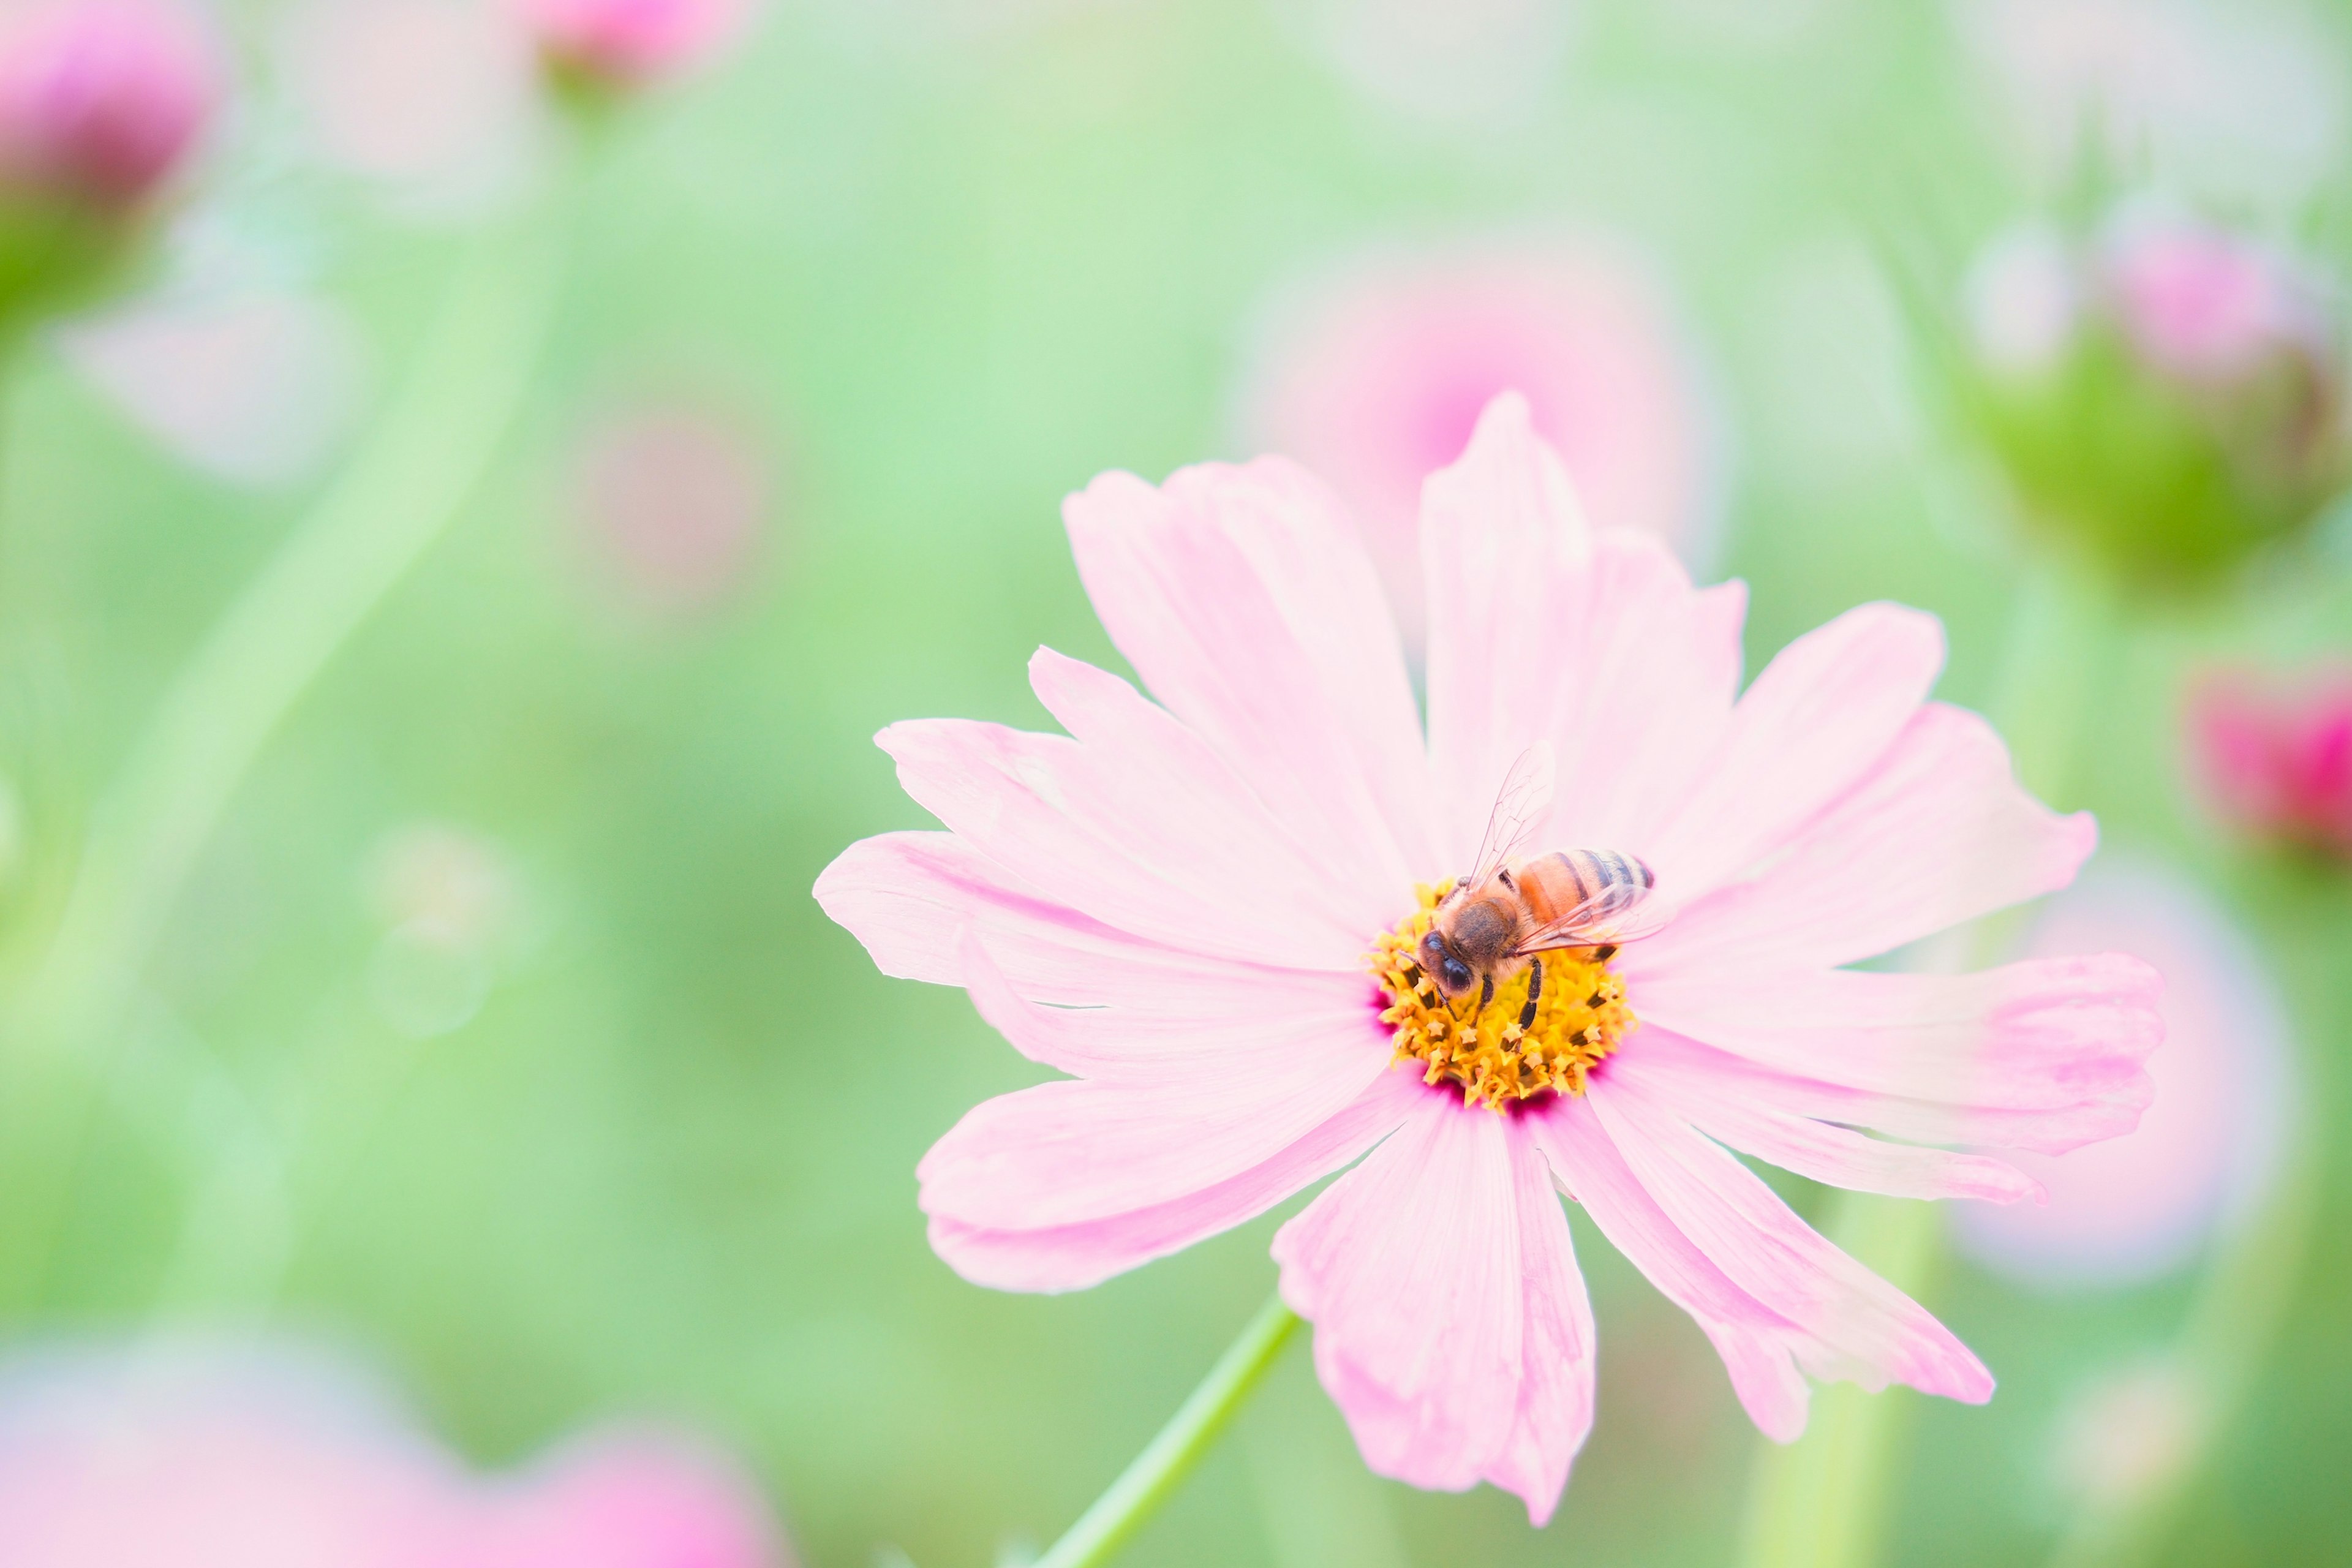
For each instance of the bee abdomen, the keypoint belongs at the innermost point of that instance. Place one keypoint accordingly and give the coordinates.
(1606, 882)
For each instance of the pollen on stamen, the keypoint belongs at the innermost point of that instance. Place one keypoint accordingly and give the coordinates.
(1581, 1018)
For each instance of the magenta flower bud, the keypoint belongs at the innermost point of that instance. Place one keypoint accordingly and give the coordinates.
(2276, 758)
(2204, 303)
(100, 100)
(622, 44)
(2168, 394)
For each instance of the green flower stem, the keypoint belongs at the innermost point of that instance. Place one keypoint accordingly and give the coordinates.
(2240, 1306)
(1144, 1485)
(1823, 1501)
(400, 492)
(398, 497)
(2245, 1294)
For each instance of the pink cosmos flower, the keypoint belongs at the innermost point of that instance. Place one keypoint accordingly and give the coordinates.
(187, 1458)
(2204, 1155)
(1378, 378)
(100, 100)
(2277, 758)
(1197, 909)
(629, 43)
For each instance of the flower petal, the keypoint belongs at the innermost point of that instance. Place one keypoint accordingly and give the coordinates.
(1073, 1257)
(1084, 1149)
(1506, 554)
(2047, 1034)
(1874, 1332)
(1555, 1393)
(1760, 1349)
(2050, 1130)
(1146, 851)
(1813, 724)
(1410, 1268)
(1646, 695)
(1247, 602)
(1820, 1151)
(911, 897)
(1195, 1035)
(1200, 814)
(1538, 630)
(1937, 833)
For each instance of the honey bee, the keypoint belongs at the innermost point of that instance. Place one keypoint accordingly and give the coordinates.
(1495, 920)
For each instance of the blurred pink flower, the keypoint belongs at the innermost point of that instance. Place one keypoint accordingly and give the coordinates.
(632, 1499)
(165, 1460)
(100, 100)
(2276, 757)
(1375, 376)
(255, 387)
(629, 43)
(188, 1458)
(2202, 302)
(437, 98)
(1174, 903)
(673, 495)
(2136, 1208)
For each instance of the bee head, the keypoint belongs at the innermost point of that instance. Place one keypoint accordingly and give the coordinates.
(1443, 965)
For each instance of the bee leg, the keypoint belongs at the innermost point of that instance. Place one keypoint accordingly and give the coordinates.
(1485, 998)
(1535, 991)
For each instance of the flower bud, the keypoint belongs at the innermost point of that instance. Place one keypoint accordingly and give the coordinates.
(2205, 305)
(2169, 395)
(606, 46)
(99, 101)
(2275, 757)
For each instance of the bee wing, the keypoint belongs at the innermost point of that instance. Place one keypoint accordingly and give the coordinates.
(1587, 925)
(1519, 805)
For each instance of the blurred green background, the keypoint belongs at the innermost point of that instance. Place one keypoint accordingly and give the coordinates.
(650, 1146)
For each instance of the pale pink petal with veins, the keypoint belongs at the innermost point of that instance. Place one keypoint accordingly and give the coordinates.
(2210, 1147)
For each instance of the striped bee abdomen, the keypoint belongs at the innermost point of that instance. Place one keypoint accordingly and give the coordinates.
(1595, 885)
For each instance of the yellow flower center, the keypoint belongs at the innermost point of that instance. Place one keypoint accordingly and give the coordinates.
(1581, 1015)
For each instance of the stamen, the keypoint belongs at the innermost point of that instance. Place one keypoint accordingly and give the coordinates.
(1579, 1016)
